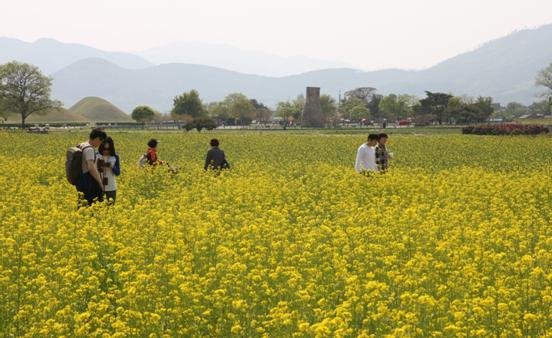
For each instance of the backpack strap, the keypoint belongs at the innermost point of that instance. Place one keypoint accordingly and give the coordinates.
(84, 148)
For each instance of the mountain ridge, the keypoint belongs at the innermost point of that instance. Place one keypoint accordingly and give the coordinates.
(503, 68)
(51, 55)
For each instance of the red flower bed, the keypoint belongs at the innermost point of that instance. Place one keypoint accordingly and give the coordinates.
(505, 129)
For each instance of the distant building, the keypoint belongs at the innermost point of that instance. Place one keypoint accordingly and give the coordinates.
(312, 112)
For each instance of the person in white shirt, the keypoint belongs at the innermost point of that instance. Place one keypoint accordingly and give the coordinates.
(366, 156)
(110, 167)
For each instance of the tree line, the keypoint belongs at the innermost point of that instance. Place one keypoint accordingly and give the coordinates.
(24, 91)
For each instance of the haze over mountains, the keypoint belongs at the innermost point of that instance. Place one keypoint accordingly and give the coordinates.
(504, 69)
(236, 59)
(51, 55)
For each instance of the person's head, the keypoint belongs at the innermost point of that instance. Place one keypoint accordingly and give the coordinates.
(373, 139)
(382, 138)
(214, 142)
(97, 136)
(153, 143)
(107, 148)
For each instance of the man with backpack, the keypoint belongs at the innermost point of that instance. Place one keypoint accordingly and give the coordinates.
(82, 171)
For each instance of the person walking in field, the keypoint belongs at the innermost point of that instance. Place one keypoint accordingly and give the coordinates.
(109, 165)
(89, 184)
(382, 155)
(150, 156)
(215, 159)
(366, 156)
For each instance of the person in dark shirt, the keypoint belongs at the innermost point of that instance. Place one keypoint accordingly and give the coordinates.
(215, 157)
(382, 155)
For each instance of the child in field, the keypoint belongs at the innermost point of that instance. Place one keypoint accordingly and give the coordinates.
(150, 156)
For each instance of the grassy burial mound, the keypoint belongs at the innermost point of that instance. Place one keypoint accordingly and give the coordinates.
(99, 110)
(53, 115)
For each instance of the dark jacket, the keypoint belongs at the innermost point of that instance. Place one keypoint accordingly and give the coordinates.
(117, 167)
(215, 159)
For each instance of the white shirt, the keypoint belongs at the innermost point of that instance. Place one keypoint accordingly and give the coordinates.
(88, 154)
(108, 172)
(366, 159)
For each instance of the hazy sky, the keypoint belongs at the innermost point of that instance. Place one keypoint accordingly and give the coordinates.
(364, 33)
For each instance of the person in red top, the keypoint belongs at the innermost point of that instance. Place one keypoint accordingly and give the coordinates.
(151, 154)
(150, 157)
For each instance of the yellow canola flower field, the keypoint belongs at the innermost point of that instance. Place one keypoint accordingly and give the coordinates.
(455, 241)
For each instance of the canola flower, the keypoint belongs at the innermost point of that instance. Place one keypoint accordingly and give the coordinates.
(455, 241)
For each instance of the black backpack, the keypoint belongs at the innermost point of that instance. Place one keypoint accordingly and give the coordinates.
(73, 163)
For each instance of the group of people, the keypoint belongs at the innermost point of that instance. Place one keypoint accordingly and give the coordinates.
(101, 165)
(373, 156)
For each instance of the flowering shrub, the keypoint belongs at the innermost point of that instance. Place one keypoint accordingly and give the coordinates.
(453, 241)
(506, 129)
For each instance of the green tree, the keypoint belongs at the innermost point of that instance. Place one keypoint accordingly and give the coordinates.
(470, 111)
(143, 114)
(433, 107)
(455, 109)
(188, 106)
(329, 109)
(540, 107)
(218, 110)
(484, 107)
(291, 110)
(24, 90)
(512, 111)
(396, 107)
(202, 123)
(355, 109)
(373, 105)
(262, 112)
(285, 110)
(239, 108)
(544, 79)
(3, 112)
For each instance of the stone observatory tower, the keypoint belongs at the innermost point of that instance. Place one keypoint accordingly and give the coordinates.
(312, 113)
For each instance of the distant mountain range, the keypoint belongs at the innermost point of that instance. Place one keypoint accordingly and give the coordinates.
(51, 55)
(504, 69)
(236, 59)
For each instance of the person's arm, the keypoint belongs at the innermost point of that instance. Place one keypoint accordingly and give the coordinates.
(365, 159)
(117, 167)
(357, 161)
(94, 172)
(224, 164)
(372, 160)
(208, 160)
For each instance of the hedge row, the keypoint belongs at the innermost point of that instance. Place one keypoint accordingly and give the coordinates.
(506, 129)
